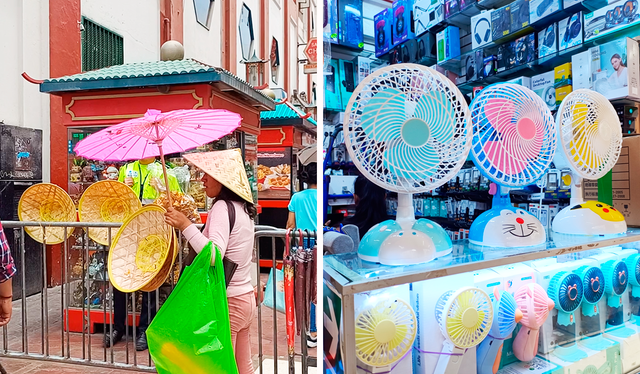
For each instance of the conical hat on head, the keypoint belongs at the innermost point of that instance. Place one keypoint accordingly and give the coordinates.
(227, 168)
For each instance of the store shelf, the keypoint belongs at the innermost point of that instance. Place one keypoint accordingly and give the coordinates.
(350, 275)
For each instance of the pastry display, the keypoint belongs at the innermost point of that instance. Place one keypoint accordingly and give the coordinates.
(182, 203)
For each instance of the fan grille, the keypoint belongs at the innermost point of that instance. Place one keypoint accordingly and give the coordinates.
(593, 284)
(590, 134)
(456, 322)
(617, 277)
(514, 137)
(565, 289)
(633, 262)
(406, 128)
(506, 319)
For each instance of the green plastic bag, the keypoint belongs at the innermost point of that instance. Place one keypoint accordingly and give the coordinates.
(191, 332)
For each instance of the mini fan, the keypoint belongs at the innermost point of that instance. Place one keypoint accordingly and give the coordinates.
(565, 289)
(633, 264)
(514, 141)
(406, 131)
(593, 285)
(465, 318)
(535, 305)
(590, 140)
(385, 332)
(616, 275)
(505, 317)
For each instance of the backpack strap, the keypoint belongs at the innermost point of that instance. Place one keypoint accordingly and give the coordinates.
(232, 215)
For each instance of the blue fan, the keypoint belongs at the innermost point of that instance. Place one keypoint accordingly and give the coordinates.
(616, 275)
(505, 317)
(633, 263)
(593, 284)
(514, 142)
(565, 289)
(406, 130)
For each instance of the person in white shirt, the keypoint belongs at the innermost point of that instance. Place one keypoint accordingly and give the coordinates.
(619, 77)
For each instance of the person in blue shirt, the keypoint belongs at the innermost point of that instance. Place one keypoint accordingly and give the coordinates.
(303, 215)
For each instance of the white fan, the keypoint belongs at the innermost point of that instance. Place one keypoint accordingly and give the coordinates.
(465, 318)
(590, 140)
(406, 129)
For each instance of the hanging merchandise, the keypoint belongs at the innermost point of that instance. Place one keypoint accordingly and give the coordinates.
(46, 202)
(535, 305)
(590, 140)
(514, 141)
(406, 129)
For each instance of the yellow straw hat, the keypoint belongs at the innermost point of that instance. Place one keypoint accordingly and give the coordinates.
(46, 202)
(107, 201)
(140, 249)
(227, 168)
(163, 274)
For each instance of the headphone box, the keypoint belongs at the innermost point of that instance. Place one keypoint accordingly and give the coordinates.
(451, 7)
(489, 66)
(570, 31)
(427, 14)
(542, 85)
(525, 49)
(505, 59)
(402, 21)
(562, 75)
(408, 51)
(469, 66)
(616, 15)
(548, 41)
(448, 41)
(519, 15)
(426, 47)
(562, 92)
(348, 78)
(500, 22)
(330, 30)
(538, 9)
(481, 29)
(382, 32)
(332, 92)
(350, 24)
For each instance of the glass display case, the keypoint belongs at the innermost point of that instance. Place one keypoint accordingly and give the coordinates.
(569, 306)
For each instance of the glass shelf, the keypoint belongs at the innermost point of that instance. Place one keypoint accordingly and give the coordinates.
(350, 275)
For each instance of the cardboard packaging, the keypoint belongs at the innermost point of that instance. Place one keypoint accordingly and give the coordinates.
(542, 85)
(427, 14)
(600, 361)
(570, 31)
(604, 20)
(581, 70)
(451, 7)
(519, 15)
(382, 32)
(490, 67)
(537, 366)
(332, 92)
(538, 9)
(525, 49)
(548, 41)
(426, 47)
(523, 81)
(330, 31)
(621, 54)
(506, 57)
(481, 29)
(562, 92)
(562, 75)
(350, 23)
(448, 41)
(470, 68)
(401, 14)
(348, 78)
(501, 22)
(626, 173)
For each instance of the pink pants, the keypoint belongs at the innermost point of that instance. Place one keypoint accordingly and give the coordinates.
(241, 313)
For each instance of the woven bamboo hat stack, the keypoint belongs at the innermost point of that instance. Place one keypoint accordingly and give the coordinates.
(107, 201)
(140, 249)
(46, 202)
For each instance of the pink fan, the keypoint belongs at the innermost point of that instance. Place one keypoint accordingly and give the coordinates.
(535, 305)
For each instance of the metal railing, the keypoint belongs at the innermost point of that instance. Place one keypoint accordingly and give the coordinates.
(47, 335)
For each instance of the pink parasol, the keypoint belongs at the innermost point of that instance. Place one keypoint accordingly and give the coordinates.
(157, 134)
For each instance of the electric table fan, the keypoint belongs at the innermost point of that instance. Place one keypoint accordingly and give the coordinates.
(633, 265)
(406, 130)
(616, 276)
(514, 141)
(535, 305)
(590, 140)
(465, 318)
(565, 289)
(505, 317)
(593, 285)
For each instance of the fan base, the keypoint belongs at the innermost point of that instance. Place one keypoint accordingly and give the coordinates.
(507, 227)
(589, 218)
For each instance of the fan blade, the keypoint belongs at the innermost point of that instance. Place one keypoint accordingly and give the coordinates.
(437, 111)
(383, 115)
(500, 112)
(423, 165)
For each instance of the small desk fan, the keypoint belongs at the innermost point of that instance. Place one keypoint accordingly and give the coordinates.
(590, 140)
(633, 264)
(514, 141)
(593, 284)
(465, 317)
(616, 276)
(535, 305)
(406, 130)
(565, 289)
(506, 316)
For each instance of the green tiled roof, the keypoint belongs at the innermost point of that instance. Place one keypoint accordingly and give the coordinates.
(283, 112)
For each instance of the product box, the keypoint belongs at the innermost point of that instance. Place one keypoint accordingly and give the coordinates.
(543, 215)
(536, 366)
(548, 41)
(562, 75)
(562, 92)
(348, 77)
(401, 13)
(330, 30)
(539, 9)
(534, 209)
(515, 276)
(332, 91)
(342, 184)
(519, 15)
(570, 31)
(427, 14)
(554, 209)
(448, 41)
(382, 32)
(501, 22)
(542, 85)
(489, 68)
(472, 68)
(481, 29)
(581, 70)
(426, 47)
(629, 340)
(615, 71)
(615, 15)
(601, 361)
(350, 31)
(523, 81)
(364, 68)
(525, 49)
(506, 57)
(626, 173)
(451, 7)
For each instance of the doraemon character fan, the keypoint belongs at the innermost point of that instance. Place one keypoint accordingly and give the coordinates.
(514, 141)
(407, 130)
(590, 140)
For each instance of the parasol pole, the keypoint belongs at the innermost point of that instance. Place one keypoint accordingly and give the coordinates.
(164, 171)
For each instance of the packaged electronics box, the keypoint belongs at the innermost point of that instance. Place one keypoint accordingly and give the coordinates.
(382, 32)
(401, 14)
(615, 69)
(332, 92)
(427, 46)
(519, 15)
(481, 29)
(350, 26)
(562, 92)
(562, 75)
(501, 22)
(525, 49)
(451, 7)
(548, 41)
(581, 70)
(448, 41)
(538, 9)
(523, 81)
(348, 77)
(542, 85)
(427, 14)
(622, 13)
(331, 31)
(506, 57)
(626, 173)
(570, 31)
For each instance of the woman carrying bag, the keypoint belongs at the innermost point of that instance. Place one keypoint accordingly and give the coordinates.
(226, 181)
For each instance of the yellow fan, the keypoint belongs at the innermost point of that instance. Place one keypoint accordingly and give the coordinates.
(46, 202)
(106, 201)
(385, 332)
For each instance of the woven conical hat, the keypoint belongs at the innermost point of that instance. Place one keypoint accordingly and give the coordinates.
(227, 168)
(140, 249)
(107, 201)
(163, 274)
(46, 202)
